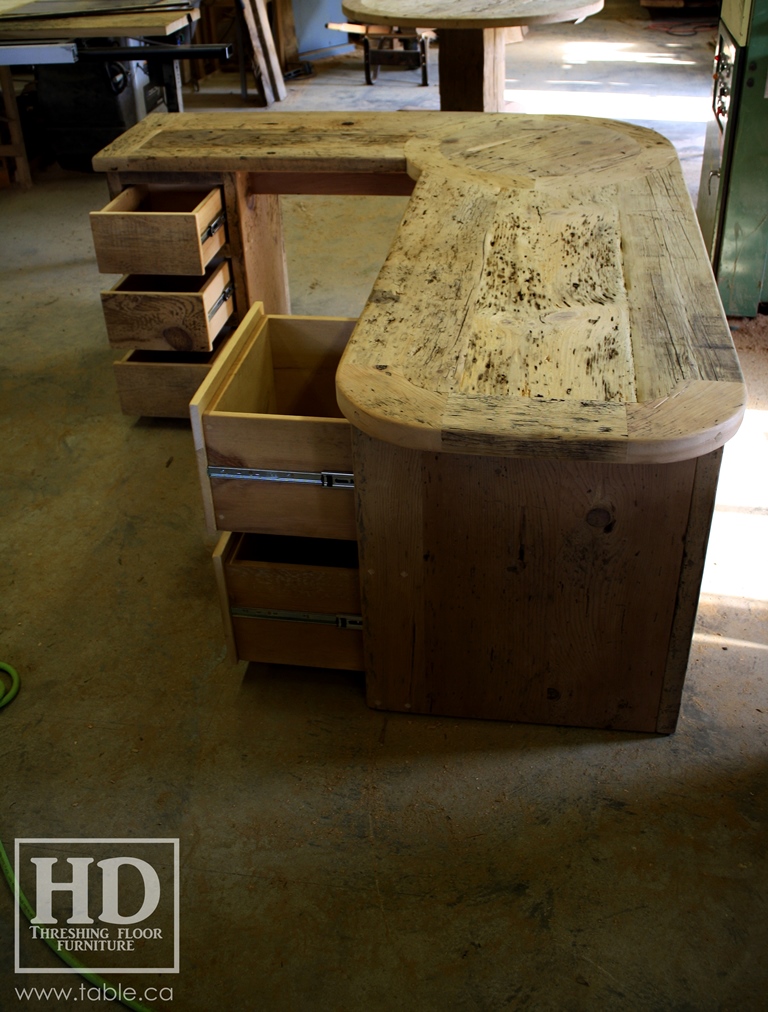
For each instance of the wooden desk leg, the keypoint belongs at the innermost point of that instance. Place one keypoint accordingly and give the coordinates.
(257, 245)
(691, 573)
(16, 148)
(471, 64)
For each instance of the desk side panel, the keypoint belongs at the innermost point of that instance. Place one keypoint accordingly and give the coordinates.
(539, 591)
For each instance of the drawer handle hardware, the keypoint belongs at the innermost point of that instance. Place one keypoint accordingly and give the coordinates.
(327, 479)
(214, 227)
(225, 296)
(312, 617)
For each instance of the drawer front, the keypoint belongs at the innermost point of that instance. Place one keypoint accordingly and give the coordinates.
(162, 313)
(274, 507)
(155, 231)
(282, 463)
(303, 645)
(274, 451)
(160, 385)
(291, 643)
(291, 600)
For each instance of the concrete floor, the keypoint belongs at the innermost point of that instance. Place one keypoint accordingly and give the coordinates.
(332, 857)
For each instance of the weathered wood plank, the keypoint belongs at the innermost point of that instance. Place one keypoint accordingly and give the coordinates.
(674, 307)
(317, 142)
(119, 23)
(274, 70)
(257, 245)
(691, 573)
(259, 56)
(167, 313)
(466, 13)
(520, 589)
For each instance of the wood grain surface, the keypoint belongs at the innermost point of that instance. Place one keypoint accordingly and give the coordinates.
(535, 590)
(467, 13)
(119, 23)
(159, 386)
(152, 231)
(166, 313)
(548, 291)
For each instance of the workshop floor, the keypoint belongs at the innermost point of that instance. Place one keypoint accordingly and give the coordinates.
(332, 857)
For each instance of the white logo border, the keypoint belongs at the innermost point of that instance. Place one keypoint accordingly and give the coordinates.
(95, 969)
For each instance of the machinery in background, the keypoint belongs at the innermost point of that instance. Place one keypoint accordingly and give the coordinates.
(112, 84)
(84, 106)
(732, 205)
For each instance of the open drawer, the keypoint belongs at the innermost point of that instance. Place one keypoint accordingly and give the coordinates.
(274, 450)
(160, 384)
(147, 230)
(289, 600)
(164, 313)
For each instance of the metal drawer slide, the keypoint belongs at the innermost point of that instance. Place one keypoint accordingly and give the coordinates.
(312, 617)
(327, 479)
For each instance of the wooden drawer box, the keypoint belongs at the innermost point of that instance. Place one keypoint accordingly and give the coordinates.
(158, 231)
(288, 600)
(168, 313)
(157, 384)
(274, 450)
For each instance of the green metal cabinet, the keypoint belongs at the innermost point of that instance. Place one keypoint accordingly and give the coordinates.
(733, 194)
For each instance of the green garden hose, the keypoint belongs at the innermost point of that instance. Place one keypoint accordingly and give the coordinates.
(6, 695)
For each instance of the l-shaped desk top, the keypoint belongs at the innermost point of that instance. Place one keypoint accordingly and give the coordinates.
(547, 294)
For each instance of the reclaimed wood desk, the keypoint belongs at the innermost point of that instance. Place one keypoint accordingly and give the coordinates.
(537, 394)
(472, 38)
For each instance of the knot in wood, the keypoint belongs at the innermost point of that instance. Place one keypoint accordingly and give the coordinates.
(178, 338)
(601, 517)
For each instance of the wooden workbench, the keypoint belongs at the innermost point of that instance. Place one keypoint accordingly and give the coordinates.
(539, 389)
(118, 24)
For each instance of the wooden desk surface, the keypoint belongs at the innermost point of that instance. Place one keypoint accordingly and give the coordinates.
(467, 13)
(548, 292)
(121, 25)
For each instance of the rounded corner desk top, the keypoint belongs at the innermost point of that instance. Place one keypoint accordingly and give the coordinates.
(548, 292)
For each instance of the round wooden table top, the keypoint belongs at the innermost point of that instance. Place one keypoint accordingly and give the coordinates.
(467, 13)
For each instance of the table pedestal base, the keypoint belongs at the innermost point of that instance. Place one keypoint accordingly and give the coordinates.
(471, 62)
